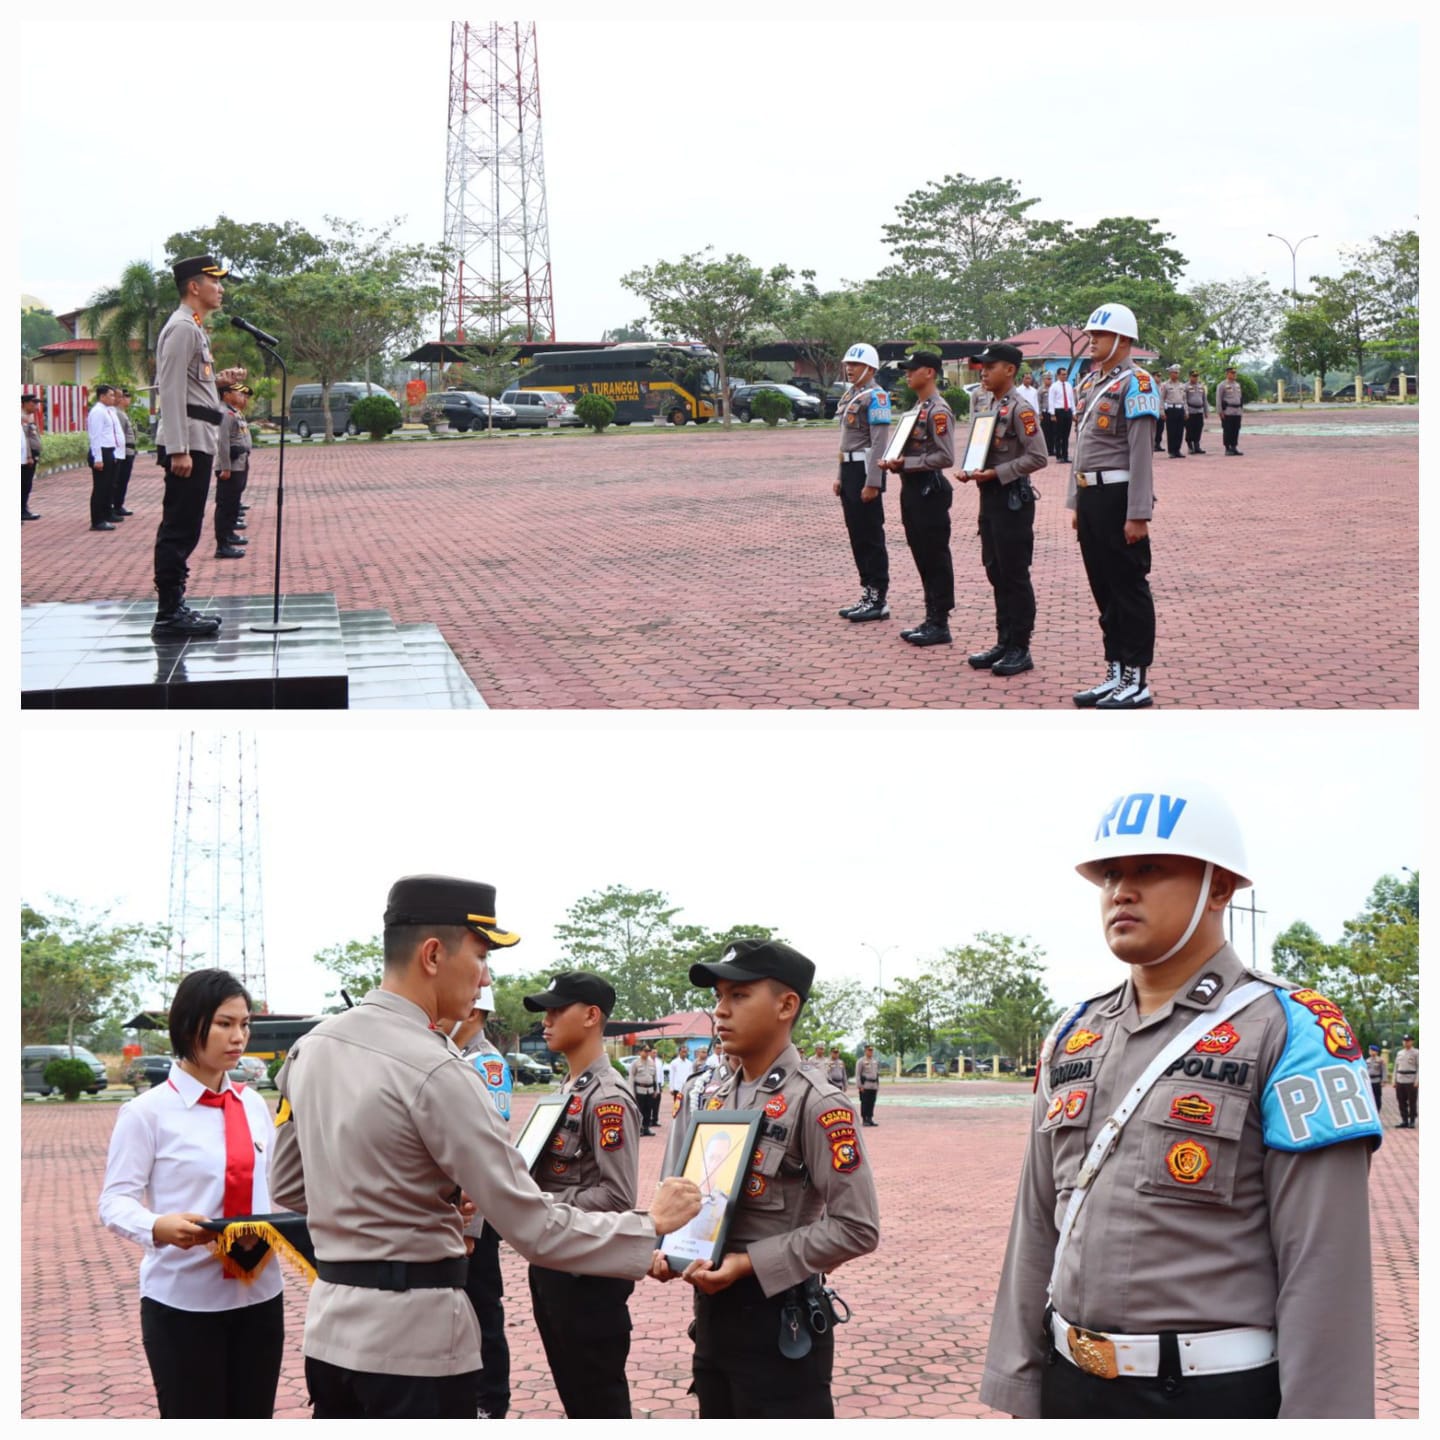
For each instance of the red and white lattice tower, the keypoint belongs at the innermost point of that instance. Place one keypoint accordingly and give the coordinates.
(496, 225)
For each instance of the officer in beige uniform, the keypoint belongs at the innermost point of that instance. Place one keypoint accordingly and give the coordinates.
(1172, 401)
(864, 412)
(1197, 407)
(925, 496)
(383, 1170)
(867, 1082)
(29, 451)
(836, 1073)
(232, 469)
(764, 1321)
(645, 1077)
(188, 439)
(593, 1163)
(1112, 494)
(1406, 1077)
(1230, 402)
(1191, 1233)
(1007, 510)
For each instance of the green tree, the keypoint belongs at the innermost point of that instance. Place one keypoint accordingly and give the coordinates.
(1308, 340)
(1392, 263)
(1353, 309)
(38, 328)
(635, 332)
(77, 970)
(897, 1022)
(126, 319)
(510, 1019)
(722, 303)
(632, 938)
(835, 1010)
(995, 995)
(356, 965)
(1237, 316)
(823, 326)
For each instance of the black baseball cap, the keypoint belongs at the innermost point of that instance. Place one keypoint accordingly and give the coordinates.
(920, 360)
(574, 987)
(444, 900)
(759, 960)
(184, 270)
(1006, 354)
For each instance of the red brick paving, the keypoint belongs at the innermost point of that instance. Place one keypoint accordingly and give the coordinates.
(700, 569)
(922, 1301)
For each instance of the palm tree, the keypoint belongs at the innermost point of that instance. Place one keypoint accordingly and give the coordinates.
(130, 312)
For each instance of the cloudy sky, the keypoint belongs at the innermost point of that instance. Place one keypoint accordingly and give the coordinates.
(787, 140)
(952, 830)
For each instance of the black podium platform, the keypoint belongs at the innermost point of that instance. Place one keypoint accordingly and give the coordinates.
(99, 654)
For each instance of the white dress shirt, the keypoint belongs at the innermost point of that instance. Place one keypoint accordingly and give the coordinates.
(167, 1154)
(680, 1071)
(105, 431)
(1062, 396)
(1031, 394)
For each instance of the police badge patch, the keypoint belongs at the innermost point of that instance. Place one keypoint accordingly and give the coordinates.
(1188, 1162)
(611, 1119)
(1028, 422)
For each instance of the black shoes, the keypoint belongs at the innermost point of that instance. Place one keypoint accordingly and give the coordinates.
(935, 631)
(28, 515)
(984, 659)
(229, 552)
(118, 516)
(241, 525)
(845, 611)
(103, 525)
(122, 511)
(1132, 693)
(1015, 661)
(873, 607)
(1234, 452)
(236, 540)
(184, 624)
(1096, 693)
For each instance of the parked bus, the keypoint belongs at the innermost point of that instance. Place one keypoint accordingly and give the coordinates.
(655, 380)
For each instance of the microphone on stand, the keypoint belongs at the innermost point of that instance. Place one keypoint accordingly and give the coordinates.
(255, 331)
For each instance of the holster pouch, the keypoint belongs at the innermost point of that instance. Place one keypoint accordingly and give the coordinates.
(795, 1341)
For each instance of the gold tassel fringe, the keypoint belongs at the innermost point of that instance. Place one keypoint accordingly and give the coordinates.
(242, 1230)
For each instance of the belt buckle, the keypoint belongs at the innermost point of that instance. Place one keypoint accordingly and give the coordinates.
(1082, 479)
(1093, 1353)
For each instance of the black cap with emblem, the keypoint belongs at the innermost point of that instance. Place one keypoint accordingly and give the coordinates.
(445, 900)
(759, 960)
(186, 270)
(920, 360)
(1005, 354)
(574, 987)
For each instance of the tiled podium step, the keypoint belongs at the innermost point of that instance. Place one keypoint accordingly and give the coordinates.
(99, 654)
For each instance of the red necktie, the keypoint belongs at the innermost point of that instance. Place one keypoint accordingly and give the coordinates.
(239, 1153)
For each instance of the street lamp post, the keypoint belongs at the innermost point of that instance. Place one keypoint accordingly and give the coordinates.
(1294, 269)
(879, 964)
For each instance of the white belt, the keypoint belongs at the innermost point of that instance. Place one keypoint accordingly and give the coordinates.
(1101, 477)
(1205, 1352)
(854, 454)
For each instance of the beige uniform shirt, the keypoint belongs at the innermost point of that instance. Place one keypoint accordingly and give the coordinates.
(808, 1200)
(1108, 436)
(1229, 397)
(32, 439)
(864, 412)
(836, 1074)
(593, 1161)
(867, 1074)
(644, 1076)
(1018, 446)
(233, 452)
(1197, 402)
(1407, 1066)
(185, 378)
(932, 442)
(1172, 394)
(1194, 1222)
(380, 1121)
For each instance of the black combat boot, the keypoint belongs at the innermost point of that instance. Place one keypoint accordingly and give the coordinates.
(1132, 693)
(935, 630)
(1014, 661)
(984, 659)
(845, 611)
(874, 608)
(229, 552)
(175, 620)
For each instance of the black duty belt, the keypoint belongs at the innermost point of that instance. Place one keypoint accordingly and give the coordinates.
(395, 1274)
(203, 412)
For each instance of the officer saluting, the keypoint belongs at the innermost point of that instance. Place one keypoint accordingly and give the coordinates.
(1113, 496)
(378, 1165)
(807, 1205)
(864, 412)
(1007, 510)
(925, 496)
(1205, 1248)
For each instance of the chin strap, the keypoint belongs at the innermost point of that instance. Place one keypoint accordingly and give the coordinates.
(1201, 901)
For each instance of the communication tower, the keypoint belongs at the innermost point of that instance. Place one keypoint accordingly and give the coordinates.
(496, 228)
(216, 898)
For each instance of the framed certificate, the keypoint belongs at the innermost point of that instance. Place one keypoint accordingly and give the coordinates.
(716, 1157)
(977, 447)
(539, 1127)
(900, 435)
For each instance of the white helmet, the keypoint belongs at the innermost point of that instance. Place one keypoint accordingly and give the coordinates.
(1117, 319)
(485, 1001)
(862, 354)
(1179, 817)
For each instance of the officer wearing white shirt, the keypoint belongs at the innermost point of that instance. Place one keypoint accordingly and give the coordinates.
(197, 1148)
(1062, 413)
(680, 1071)
(107, 450)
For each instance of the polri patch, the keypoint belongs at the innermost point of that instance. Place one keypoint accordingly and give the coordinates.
(1219, 1041)
(841, 1115)
(576, 1105)
(1193, 1109)
(1188, 1162)
(558, 1167)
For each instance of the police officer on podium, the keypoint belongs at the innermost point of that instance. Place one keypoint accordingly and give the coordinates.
(390, 1170)
(1191, 1234)
(864, 412)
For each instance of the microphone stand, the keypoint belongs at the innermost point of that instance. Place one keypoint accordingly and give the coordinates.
(274, 626)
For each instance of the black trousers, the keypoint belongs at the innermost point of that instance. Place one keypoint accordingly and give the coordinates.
(1047, 429)
(1377, 1089)
(739, 1372)
(865, 521)
(122, 479)
(1230, 429)
(1174, 427)
(182, 518)
(214, 1364)
(1063, 420)
(227, 504)
(102, 486)
(1407, 1097)
(1118, 574)
(867, 1104)
(584, 1324)
(485, 1286)
(1194, 429)
(1069, 1393)
(649, 1104)
(925, 511)
(1007, 546)
(340, 1394)
(27, 479)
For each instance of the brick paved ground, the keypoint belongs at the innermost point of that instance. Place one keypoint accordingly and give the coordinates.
(921, 1302)
(702, 569)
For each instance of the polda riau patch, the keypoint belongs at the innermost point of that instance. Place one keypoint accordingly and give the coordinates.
(611, 1118)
